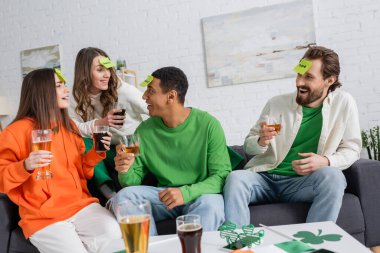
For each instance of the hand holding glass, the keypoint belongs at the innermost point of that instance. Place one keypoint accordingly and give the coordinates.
(134, 221)
(275, 122)
(122, 109)
(130, 144)
(189, 230)
(99, 133)
(41, 140)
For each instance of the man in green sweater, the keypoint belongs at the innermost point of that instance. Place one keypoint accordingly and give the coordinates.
(184, 148)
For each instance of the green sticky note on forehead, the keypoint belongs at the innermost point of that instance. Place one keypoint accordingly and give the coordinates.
(147, 81)
(60, 75)
(106, 62)
(302, 67)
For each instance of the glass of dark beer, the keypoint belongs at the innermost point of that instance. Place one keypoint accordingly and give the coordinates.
(122, 109)
(99, 133)
(189, 230)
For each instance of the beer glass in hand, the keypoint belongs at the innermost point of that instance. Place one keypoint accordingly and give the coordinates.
(99, 133)
(134, 221)
(275, 122)
(189, 230)
(122, 109)
(130, 144)
(41, 140)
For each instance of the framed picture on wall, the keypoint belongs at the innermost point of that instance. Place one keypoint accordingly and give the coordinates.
(257, 44)
(43, 57)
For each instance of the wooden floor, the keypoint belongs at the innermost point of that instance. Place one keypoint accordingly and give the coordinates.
(376, 249)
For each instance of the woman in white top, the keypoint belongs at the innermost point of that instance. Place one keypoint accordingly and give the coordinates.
(96, 89)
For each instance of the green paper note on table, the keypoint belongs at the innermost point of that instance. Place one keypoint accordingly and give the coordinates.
(147, 81)
(302, 67)
(60, 75)
(294, 247)
(106, 62)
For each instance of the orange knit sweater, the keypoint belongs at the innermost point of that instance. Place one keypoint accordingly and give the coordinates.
(44, 202)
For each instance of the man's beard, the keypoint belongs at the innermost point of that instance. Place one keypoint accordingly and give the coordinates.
(311, 97)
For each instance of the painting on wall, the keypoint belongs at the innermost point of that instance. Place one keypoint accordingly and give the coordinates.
(257, 44)
(43, 57)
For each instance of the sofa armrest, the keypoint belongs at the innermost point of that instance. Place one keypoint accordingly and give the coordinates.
(8, 221)
(363, 180)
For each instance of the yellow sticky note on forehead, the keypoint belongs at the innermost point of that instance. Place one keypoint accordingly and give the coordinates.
(106, 62)
(302, 67)
(60, 75)
(147, 81)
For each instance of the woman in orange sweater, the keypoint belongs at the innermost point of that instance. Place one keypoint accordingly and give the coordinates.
(57, 214)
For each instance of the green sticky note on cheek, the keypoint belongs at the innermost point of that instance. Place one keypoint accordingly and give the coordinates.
(60, 75)
(302, 67)
(106, 62)
(147, 81)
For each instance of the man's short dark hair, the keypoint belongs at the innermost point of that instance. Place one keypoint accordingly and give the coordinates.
(172, 78)
(330, 63)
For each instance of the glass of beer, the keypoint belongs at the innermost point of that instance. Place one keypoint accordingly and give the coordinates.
(41, 140)
(275, 122)
(99, 133)
(134, 221)
(130, 144)
(189, 230)
(122, 109)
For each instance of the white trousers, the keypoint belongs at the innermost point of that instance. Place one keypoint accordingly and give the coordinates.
(89, 230)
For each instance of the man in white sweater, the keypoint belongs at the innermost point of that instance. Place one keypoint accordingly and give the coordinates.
(303, 162)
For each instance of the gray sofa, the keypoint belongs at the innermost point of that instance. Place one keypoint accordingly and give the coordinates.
(359, 215)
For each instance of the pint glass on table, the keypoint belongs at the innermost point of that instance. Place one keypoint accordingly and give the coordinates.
(189, 230)
(134, 221)
(41, 140)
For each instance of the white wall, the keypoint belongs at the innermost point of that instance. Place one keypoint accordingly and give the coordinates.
(154, 33)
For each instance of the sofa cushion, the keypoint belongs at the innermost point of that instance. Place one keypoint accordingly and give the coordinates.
(350, 216)
(18, 244)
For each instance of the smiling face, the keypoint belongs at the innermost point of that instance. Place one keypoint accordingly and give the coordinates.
(100, 76)
(311, 87)
(156, 99)
(62, 93)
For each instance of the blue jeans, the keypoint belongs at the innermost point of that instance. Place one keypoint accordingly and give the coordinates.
(210, 207)
(324, 188)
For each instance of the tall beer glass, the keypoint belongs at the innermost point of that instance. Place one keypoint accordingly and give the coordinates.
(100, 132)
(134, 221)
(189, 230)
(41, 140)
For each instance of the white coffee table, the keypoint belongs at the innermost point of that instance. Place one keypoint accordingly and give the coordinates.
(212, 243)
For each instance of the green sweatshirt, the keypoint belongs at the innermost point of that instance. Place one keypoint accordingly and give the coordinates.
(192, 156)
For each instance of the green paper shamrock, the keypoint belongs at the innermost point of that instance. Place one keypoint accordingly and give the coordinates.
(227, 232)
(248, 230)
(247, 240)
(309, 237)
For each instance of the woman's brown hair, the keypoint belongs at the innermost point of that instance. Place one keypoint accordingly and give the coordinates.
(38, 100)
(83, 82)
